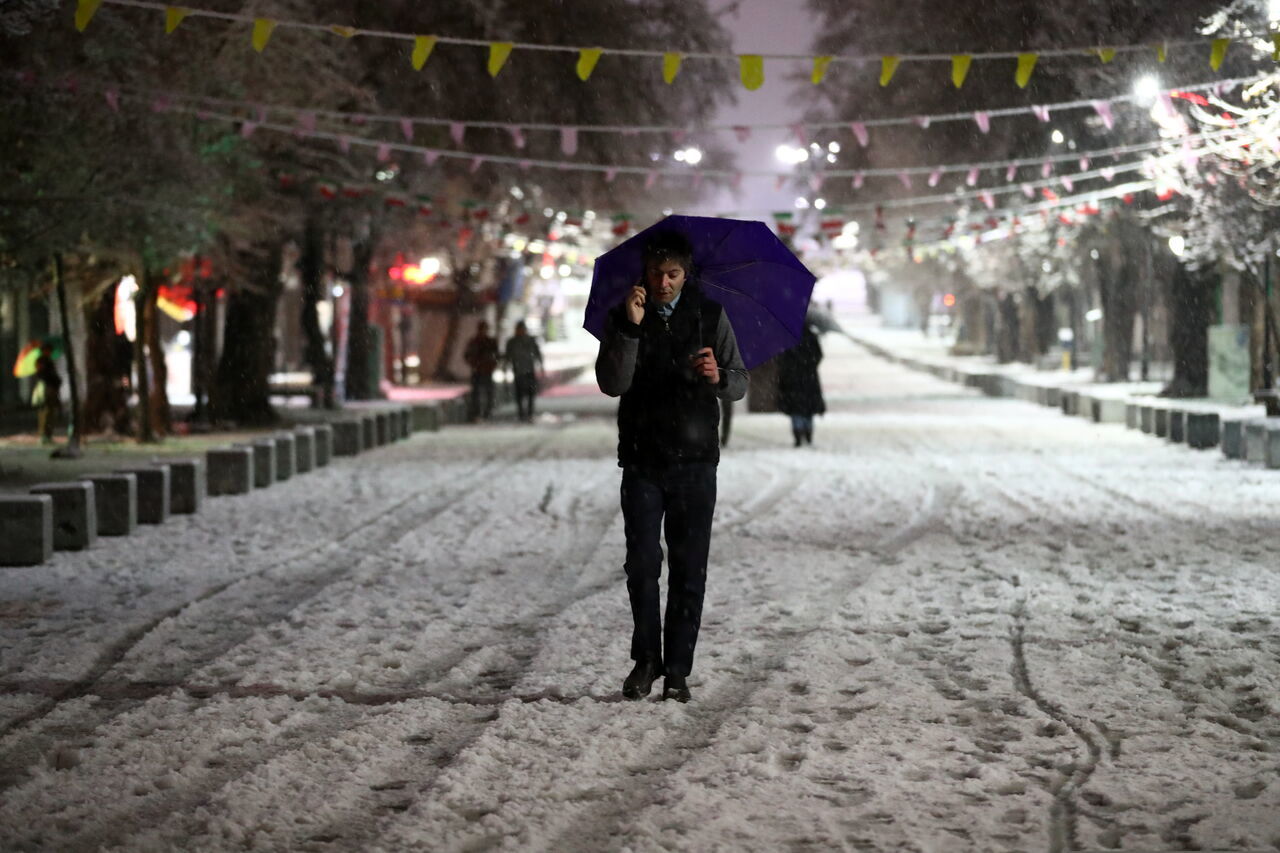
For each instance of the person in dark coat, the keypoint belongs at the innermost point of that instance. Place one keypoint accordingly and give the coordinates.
(669, 352)
(47, 395)
(481, 355)
(525, 358)
(799, 389)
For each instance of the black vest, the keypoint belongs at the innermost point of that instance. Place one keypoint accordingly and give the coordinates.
(670, 415)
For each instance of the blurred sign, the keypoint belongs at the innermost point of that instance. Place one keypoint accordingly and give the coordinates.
(1229, 363)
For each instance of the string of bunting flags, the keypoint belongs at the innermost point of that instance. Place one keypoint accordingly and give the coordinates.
(384, 149)
(750, 65)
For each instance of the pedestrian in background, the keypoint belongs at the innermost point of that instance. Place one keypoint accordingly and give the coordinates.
(669, 352)
(525, 359)
(799, 389)
(481, 355)
(47, 396)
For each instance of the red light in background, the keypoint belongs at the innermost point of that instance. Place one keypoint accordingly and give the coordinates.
(949, 300)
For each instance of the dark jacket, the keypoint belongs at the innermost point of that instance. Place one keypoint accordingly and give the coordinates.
(668, 414)
(799, 390)
(481, 355)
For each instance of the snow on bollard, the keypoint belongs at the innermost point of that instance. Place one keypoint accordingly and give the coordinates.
(115, 498)
(1233, 439)
(229, 470)
(75, 520)
(1132, 415)
(1203, 430)
(1271, 452)
(1161, 415)
(1147, 418)
(1177, 426)
(26, 529)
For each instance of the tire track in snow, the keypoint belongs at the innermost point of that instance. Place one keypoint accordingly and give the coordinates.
(277, 599)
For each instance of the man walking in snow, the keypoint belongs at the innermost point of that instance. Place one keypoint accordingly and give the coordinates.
(669, 352)
(525, 358)
(481, 355)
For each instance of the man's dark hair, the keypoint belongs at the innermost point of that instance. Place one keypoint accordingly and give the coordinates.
(669, 246)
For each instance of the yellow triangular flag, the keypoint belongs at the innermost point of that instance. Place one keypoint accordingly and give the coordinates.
(262, 30)
(345, 32)
(498, 53)
(671, 66)
(820, 64)
(1106, 54)
(888, 67)
(85, 10)
(751, 70)
(1162, 52)
(960, 68)
(1026, 64)
(587, 59)
(1275, 40)
(173, 17)
(422, 47)
(1218, 53)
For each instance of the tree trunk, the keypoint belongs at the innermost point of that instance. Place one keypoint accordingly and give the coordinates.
(109, 360)
(1007, 329)
(1190, 313)
(359, 341)
(311, 270)
(241, 393)
(72, 448)
(1118, 284)
(146, 426)
(160, 414)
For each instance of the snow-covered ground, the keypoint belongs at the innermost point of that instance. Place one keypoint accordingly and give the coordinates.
(957, 623)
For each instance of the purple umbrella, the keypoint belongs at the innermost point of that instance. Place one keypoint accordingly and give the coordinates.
(742, 265)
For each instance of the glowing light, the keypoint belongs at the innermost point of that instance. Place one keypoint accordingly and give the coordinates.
(820, 203)
(1057, 137)
(1147, 89)
(949, 300)
(1178, 244)
(338, 291)
(430, 266)
(565, 270)
(787, 154)
(1093, 315)
(126, 314)
(802, 202)
(547, 271)
(833, 147)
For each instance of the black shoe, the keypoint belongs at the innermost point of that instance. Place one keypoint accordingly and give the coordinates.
(640, 681)
(675, 688)
(799, 437)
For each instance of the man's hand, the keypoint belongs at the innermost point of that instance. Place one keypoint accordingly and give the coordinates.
(704, 365)
(635, 304)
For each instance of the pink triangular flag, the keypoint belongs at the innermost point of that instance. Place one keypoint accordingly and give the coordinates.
(1103, 108)
(923, 122)
(476, 162)
(858, 180)
(972, 178)
(1166, 105)
(742, 131)
(905, 178)
(650, 179)
(262, 115)
(779, 182)
(384, 152)
(1027, 191)
(678, 136)
(247, 128)
(1011, 173)
(1069, 184)
(430, 156)
(1046, 169)
(983, 120)
(797, 130)
(113, 99)
(860, 131)
(1084, 164)
(569, 140)
(517, 136)
(406, 127)
(457, 130)
(934, 177)
(610, 174)
(1107, 173)
(737, 179)
(815, 182)
(307, 121)
(525, 165)
(1041, 113)
(988, 199)
(344, 142)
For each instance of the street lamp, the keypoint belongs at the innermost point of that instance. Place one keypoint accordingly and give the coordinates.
(1057, 137)
(1147, 89)
(692, 156)
(1177, 245)
(789, 155)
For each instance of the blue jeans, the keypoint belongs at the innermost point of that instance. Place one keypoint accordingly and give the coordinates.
(680, 500)
(802, 423)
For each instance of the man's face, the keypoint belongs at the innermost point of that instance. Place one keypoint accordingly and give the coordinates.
(665, 280)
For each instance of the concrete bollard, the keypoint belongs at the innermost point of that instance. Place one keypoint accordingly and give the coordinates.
(115, 498)
(229, 470)
(304, 449)
(1110, 411)
(426, 418)
(324, 444)
(75, 520)
(153, 493)
(1177, 426)
(1132, 415)
(1203, 430)
(369, 431)
(406, 421)
(26, 529)
(382, 428)
(1070, 402)
(1147, 418)
(1255, 441)
(1161, 422)
(285, 456)
(187, 485)
(1271, 447)
(1233, 439)
(264, 462)
(348, 437)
